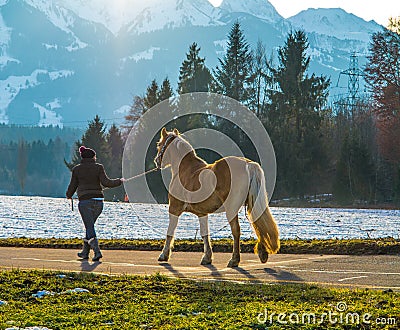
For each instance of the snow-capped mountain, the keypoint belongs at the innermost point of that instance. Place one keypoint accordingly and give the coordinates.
(163, 14)
(141, 16)
(258, 8)
(334, 22)
(63, 61)
(113, 17)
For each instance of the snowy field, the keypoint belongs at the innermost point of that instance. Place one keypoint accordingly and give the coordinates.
(40, 217)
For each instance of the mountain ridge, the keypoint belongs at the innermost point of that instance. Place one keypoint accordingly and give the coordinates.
(78, 67)
(334, 22)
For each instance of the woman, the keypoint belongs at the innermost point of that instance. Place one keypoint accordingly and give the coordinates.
(88, 177)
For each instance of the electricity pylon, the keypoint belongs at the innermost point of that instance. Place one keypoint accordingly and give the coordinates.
(353, 83)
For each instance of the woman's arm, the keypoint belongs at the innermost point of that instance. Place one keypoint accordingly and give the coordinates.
(106, 181)
(73, 185)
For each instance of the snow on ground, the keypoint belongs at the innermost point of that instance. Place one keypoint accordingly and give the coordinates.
(52, 217)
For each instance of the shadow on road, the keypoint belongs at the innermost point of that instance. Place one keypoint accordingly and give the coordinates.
(283, 275)
(247, 274)
(172, 270)
(214, 270)
(87, 266)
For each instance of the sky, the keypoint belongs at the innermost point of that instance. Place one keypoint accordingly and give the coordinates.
(378, 10)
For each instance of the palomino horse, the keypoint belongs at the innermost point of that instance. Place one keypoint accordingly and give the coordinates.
(225, 185)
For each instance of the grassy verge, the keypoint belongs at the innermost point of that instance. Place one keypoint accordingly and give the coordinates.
(330, 246)
(157, 302)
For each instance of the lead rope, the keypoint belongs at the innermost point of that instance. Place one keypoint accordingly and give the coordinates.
(144, 173)
(158, 160)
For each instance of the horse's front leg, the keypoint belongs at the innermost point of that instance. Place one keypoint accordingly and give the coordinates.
(235, 227)
(204, 232)
(169, 241)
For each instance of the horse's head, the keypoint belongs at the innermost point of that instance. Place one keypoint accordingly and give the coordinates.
(165, 140)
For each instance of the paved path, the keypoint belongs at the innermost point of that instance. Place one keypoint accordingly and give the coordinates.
(380, 272)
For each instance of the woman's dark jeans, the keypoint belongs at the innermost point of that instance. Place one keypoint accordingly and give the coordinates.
(90, 210)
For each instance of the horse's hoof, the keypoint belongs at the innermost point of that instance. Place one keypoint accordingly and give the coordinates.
(233, 263)
(264, 259)
(163, 257)
(262, 253)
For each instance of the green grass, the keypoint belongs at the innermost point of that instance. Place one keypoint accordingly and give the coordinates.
(158, 302)
(330, 246)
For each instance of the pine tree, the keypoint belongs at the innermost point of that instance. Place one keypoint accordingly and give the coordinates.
(294, 115)
(299, 97)
(233, 77)
(95, 138)
(116, 145)
(151, 97)
(194, 76)
(165, 91)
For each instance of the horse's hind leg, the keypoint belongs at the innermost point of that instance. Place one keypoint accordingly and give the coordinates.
(166, 252)
(204, 232)
(235, 227)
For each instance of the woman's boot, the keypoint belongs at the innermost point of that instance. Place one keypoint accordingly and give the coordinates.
(84, 254)
(94, 244)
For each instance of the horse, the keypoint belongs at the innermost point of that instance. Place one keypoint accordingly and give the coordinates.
(224, 186)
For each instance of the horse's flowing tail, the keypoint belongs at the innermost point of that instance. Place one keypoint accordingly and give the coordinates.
(258, 211)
